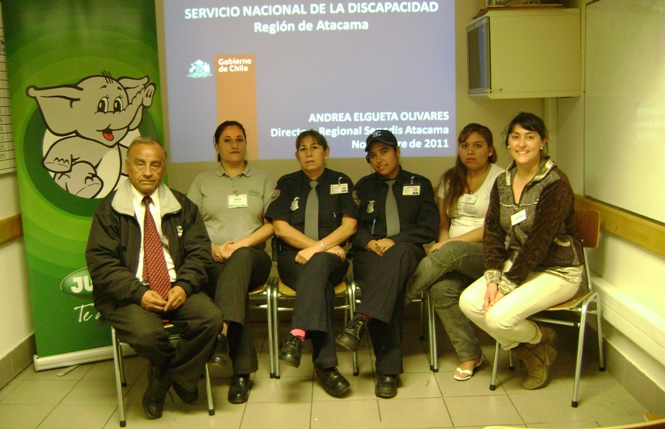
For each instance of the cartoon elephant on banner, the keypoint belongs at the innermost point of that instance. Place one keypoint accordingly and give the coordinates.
(87, 122)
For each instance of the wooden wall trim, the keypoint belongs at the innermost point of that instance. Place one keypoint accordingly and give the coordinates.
(639, 231)
(11, 228)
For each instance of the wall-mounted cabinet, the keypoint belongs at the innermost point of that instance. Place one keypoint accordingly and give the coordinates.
(525, 53)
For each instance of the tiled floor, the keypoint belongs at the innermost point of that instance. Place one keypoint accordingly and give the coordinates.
(85, 397)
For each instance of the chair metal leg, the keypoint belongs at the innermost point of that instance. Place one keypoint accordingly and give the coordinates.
(119, 377)
(495, 367)
(584, 311)
(580, 352)
(121, 363)
(431, 324)
(423, 322)
(351, 296)
(599, 329)
(211, 404)
(597, 311)
(269, 310)
(274, 291)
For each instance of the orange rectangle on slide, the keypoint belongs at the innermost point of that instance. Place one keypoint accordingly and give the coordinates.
(236, 95)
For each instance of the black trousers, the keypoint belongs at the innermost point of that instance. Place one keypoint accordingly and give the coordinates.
(229, 283)
(313, 309)
(382, 280)
(201, 323)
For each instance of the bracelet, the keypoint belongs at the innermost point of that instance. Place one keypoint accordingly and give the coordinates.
(322, 245)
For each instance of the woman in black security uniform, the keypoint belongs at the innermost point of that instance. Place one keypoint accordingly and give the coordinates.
(311, 260)
(388, 246)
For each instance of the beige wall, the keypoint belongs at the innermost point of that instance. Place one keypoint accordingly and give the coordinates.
(630, 278)
(15, 310)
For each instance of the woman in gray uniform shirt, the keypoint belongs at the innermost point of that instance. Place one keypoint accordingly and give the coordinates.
(233, 199)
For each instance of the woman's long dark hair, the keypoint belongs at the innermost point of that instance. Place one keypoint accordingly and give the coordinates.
(454, 180)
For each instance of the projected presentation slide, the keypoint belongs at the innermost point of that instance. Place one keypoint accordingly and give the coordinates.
(341, 68)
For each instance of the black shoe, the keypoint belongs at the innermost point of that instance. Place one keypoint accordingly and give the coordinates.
(155, 393)
(239, 389)
(350, 337)
(186, 396)
(221, 354)
(386, 386)
(290, 352)
(331, 380)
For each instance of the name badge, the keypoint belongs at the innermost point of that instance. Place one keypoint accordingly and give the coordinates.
(468, 199)
(411, 190)
(339, 188)
(237, 201)
(518, 217)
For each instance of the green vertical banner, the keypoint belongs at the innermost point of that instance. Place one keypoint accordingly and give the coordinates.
(84, 81)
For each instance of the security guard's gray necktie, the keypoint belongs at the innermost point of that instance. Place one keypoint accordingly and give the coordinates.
(392, 215)
(312, 212)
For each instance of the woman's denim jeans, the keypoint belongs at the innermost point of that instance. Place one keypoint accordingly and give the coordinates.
(447, 272)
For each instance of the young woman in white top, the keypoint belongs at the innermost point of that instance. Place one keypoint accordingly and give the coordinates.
(455, 260)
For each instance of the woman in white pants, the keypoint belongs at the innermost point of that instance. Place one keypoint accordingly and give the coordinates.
(532, 252)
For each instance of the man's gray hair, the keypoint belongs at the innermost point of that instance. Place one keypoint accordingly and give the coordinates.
(144, 140)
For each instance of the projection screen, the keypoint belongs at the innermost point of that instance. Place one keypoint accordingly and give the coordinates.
(341, 68)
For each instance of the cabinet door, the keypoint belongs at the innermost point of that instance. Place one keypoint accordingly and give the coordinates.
(535, 55)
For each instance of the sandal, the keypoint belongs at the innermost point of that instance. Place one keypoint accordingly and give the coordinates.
(467, 373)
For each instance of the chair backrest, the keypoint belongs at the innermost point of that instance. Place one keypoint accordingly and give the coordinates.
(588, 225)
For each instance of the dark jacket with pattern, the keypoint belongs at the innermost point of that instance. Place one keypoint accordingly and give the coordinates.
(546, 240)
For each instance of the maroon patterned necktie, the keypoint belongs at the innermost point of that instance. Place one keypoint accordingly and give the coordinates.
(155, 272)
